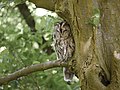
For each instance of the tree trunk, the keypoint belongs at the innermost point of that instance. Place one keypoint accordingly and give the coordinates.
(97, 48)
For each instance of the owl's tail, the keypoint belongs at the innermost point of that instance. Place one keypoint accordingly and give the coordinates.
(68, 75)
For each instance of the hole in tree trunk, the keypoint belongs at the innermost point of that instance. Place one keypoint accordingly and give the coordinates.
(103, 79)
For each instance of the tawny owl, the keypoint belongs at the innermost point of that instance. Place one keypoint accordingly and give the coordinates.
(64, 46)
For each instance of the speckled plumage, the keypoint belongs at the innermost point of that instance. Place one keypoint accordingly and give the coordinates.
(64, 46)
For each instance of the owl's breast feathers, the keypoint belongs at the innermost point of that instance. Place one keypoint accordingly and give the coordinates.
(64, 47)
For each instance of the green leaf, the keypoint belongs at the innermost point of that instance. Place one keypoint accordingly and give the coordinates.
(95, 19)
(36, 62)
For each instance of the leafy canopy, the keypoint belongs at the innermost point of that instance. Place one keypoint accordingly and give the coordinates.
(20, 48)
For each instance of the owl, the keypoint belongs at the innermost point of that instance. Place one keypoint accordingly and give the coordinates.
(64, 46)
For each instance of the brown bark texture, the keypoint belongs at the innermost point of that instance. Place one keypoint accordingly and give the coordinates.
(97, 47)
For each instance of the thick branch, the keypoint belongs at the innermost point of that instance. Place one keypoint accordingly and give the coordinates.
(25, 12)
(31, 69)
(58, 6)
(47, 4)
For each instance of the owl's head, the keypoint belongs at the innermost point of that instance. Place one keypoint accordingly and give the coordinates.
(63, 29)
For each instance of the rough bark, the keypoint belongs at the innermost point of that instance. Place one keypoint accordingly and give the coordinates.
(110, 25)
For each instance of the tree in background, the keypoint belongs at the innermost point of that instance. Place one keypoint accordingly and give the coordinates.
(95, 27)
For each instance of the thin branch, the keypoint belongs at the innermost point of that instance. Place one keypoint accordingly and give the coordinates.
(30, 69)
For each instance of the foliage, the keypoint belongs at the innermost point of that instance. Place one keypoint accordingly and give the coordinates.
(21, 48)
(95, 19)
(11, 1)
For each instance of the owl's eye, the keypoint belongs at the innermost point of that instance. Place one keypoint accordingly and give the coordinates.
(65, 30)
